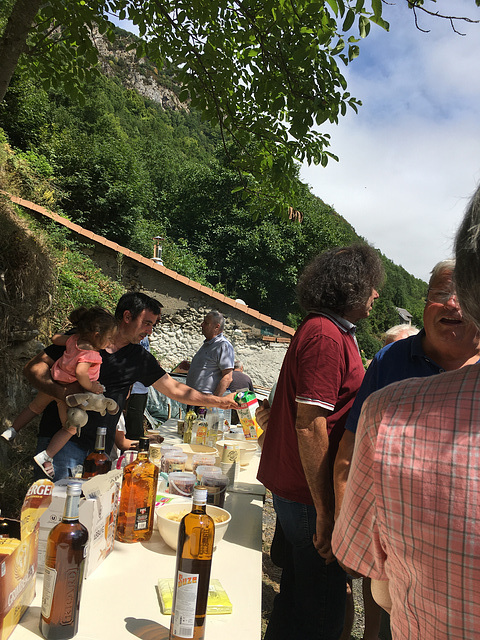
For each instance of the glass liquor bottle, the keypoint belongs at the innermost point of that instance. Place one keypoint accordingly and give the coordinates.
(190, 416)
(192, 572)
(97, 462)
(213, 420)
(200, 427)
(64, 564)
(137, 498)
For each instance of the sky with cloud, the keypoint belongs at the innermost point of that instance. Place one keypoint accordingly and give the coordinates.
(410, 159)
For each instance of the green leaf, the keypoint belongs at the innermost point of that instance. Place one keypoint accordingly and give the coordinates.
(349, 20)
(380, 22)
(377, 8)
(364, 26)
(334, 6)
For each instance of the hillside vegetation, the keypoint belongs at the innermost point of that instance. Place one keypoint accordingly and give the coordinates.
(128, 169)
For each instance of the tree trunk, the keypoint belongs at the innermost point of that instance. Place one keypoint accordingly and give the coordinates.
(13, 41)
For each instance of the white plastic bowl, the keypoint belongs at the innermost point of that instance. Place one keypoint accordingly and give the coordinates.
(247, 449)
(191, 449)
(169, 528)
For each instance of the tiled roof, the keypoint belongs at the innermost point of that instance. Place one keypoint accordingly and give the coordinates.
(148, 262)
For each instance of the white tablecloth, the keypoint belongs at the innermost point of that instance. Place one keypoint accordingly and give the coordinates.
(120, 600)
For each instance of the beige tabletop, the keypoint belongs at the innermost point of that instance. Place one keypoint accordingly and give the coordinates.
(120, 599)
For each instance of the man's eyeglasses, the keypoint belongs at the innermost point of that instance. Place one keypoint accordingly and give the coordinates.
(440, 297)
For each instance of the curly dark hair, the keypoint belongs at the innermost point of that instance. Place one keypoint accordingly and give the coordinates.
(340, 279)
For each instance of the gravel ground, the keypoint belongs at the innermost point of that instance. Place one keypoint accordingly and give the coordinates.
(271, 575)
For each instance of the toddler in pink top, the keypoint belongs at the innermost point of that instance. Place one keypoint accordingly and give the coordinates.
(95, 328)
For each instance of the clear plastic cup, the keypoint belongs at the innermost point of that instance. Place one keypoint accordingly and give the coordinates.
(155, 453)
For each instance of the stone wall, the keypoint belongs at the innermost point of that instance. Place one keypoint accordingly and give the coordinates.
(184, 307)
(179, 337)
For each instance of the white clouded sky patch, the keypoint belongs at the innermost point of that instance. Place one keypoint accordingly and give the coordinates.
(410, 159)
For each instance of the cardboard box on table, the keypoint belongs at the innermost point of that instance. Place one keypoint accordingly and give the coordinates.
(97, 513)
(18, 567)
(17, 582)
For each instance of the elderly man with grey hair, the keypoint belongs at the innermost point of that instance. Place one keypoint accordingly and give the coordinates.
(398, 332)
(212, 365)
(410, 518)
(446, 342)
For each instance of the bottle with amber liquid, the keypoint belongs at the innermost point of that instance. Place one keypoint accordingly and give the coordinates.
(64, 564)
(190, 416)
(200, 427)
(98, 461)
(137, 498)
(192, 573)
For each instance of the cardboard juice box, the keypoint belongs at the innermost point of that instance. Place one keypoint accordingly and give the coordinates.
(248, 404)
(18, 558)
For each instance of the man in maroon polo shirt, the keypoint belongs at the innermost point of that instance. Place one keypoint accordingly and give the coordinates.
(320, 375)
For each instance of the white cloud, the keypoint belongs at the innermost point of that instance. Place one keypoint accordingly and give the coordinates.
(410, 159)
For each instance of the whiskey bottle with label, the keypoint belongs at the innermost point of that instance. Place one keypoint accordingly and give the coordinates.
(63, 578)
(137, 498)
(192, 573)
(98, 461)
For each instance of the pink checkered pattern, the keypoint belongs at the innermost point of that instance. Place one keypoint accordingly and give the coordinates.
(411, 513)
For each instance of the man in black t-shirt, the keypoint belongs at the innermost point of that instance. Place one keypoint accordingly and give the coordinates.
(123, 363)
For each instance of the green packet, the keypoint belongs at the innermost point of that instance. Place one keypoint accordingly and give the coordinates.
(218, 601)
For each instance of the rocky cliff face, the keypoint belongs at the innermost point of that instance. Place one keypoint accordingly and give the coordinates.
(117, 61)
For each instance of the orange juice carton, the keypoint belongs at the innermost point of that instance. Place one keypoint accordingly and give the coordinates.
(248, 404)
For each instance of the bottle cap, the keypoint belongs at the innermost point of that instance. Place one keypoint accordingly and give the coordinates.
(101, 431)
(200, 495)
(74, 488)
(143, 444)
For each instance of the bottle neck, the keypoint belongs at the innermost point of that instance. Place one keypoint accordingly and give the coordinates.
(143, 447)
(72, 506)
(199, 500)
(100, 442)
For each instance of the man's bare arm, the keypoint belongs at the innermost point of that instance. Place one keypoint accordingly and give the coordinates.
(312, 436)
(225, 380)
(37, 372)
(182, 393)
(341, 469)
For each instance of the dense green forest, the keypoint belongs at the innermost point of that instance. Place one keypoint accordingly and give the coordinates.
(126, 168)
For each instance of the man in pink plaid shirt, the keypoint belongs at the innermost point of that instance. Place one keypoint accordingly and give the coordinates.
(410, 519)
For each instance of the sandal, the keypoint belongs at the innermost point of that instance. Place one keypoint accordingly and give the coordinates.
(45, 462)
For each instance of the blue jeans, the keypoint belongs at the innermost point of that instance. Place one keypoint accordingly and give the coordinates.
(71, 455)
(311, 602)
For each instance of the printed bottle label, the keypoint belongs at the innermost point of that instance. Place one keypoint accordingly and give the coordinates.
(49, 581)
(185, 604)
(141, 518)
